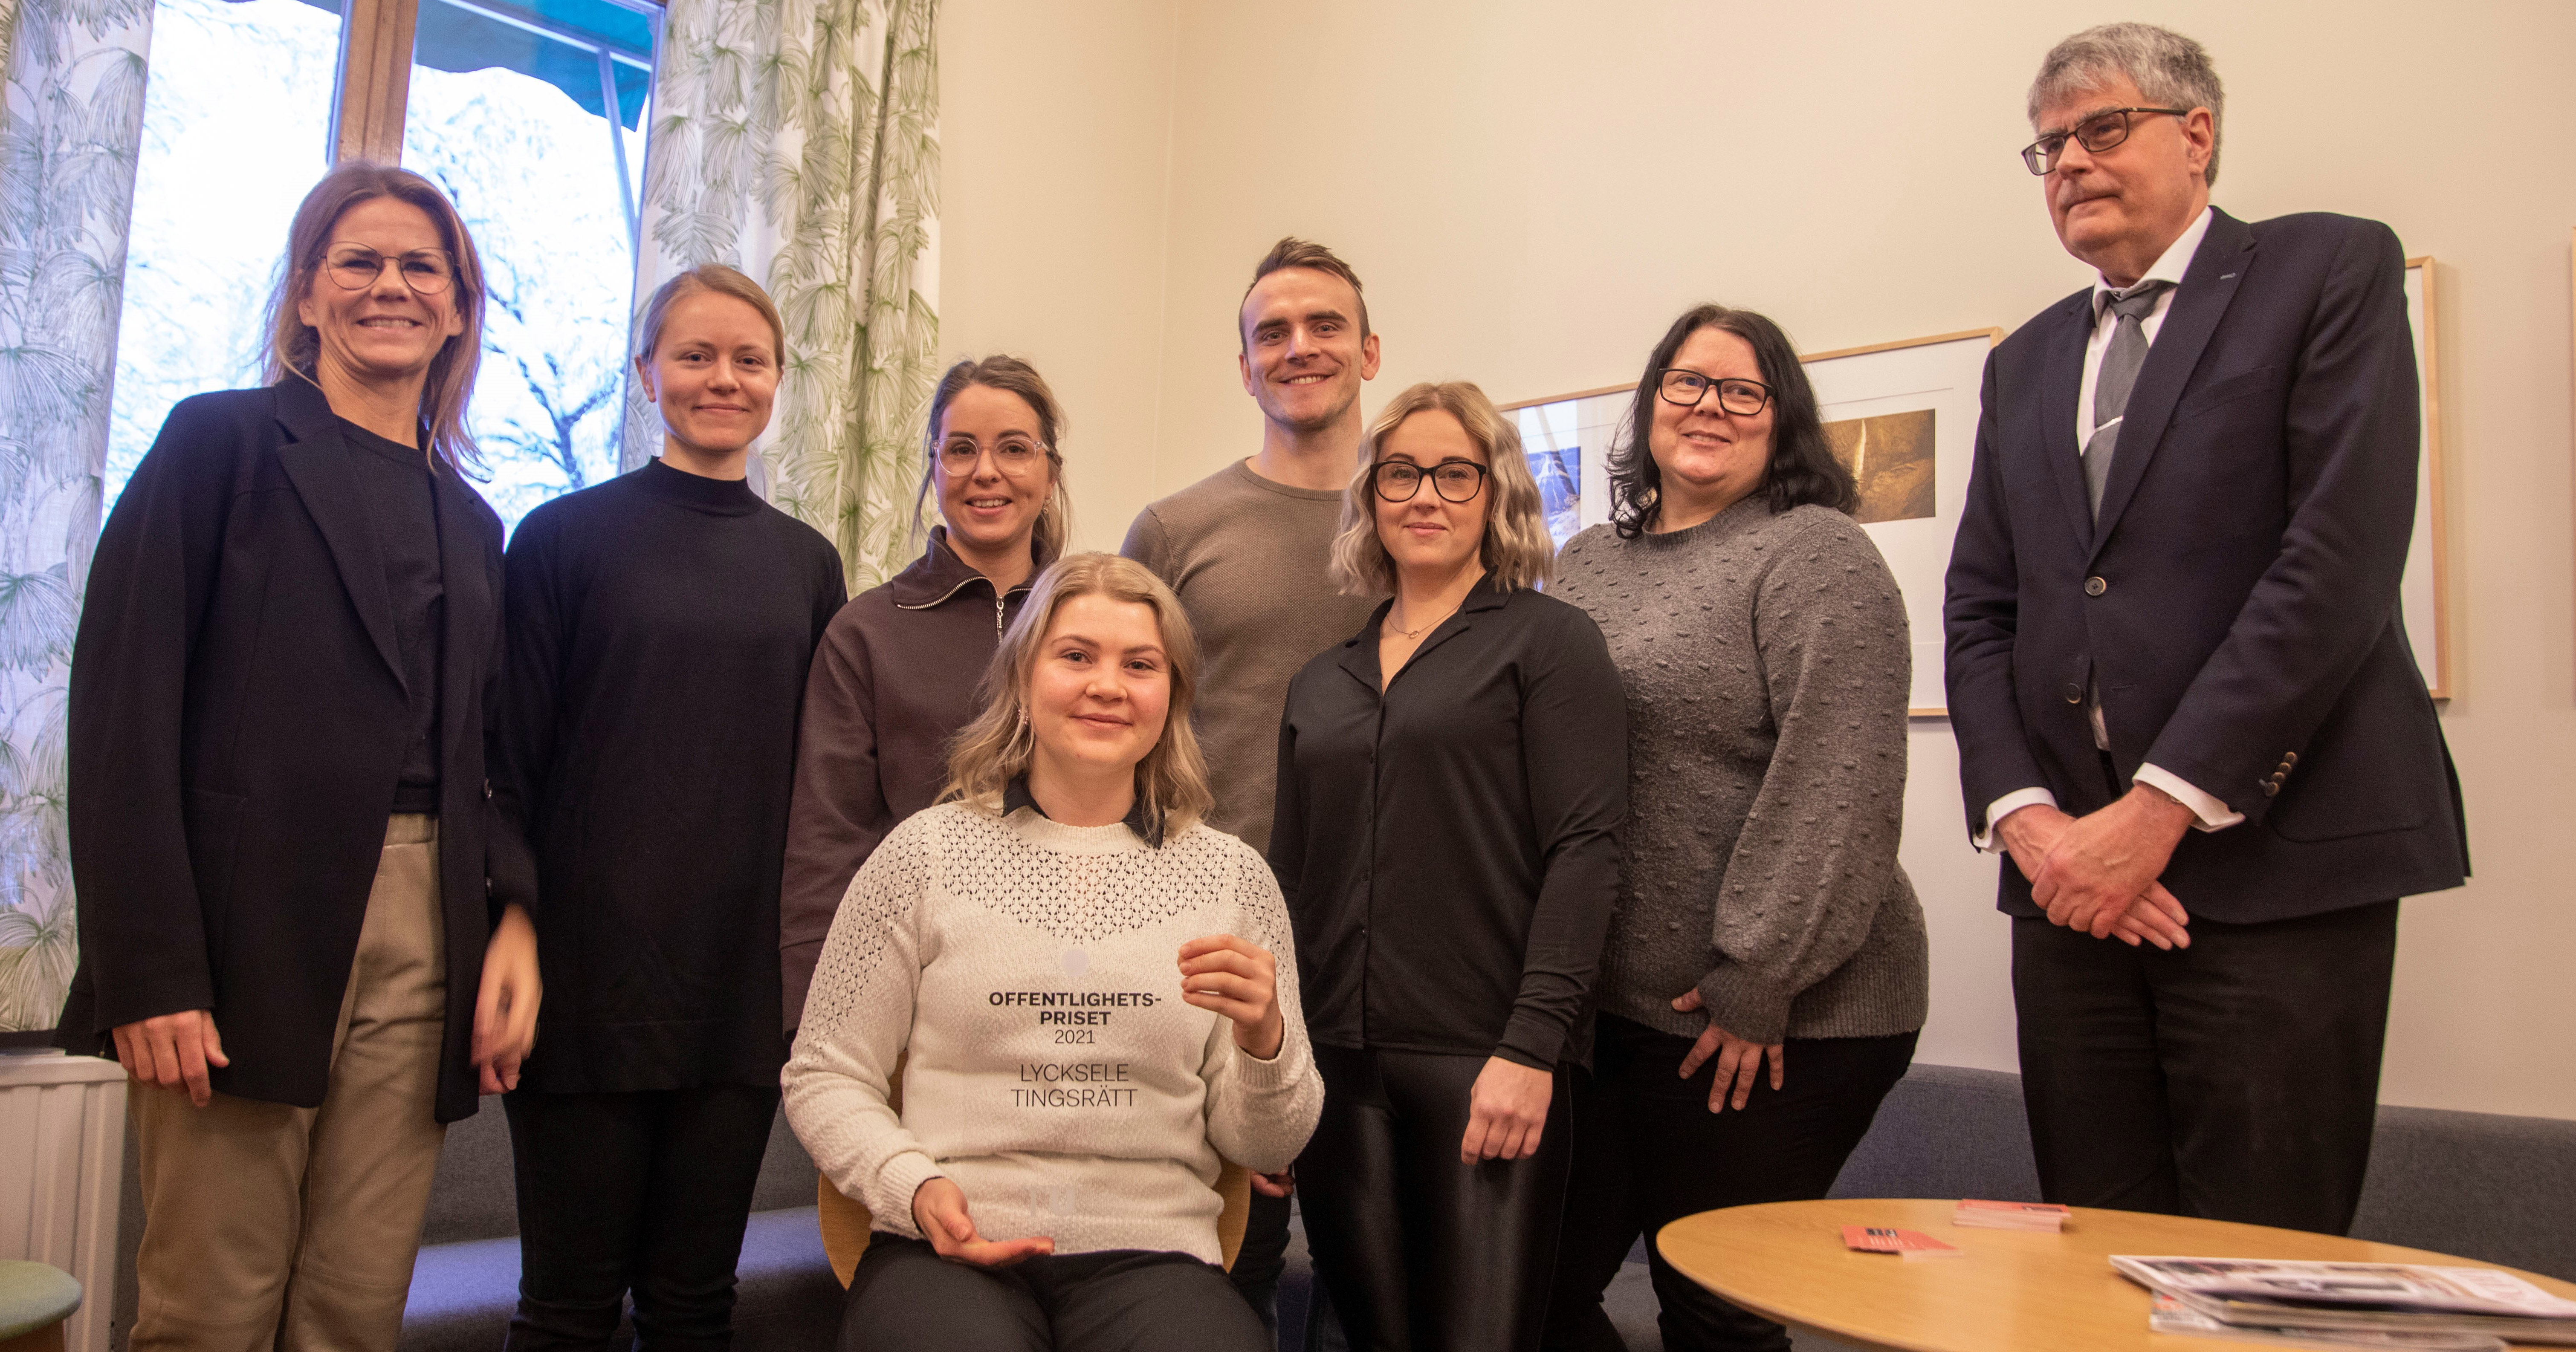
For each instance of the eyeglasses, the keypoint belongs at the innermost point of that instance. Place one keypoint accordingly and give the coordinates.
(355, 268)
(2098, 133)
(1015, 458)
(1453, 480)
(1743, 398)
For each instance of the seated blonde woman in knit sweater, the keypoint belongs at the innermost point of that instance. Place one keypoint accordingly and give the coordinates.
(1098, 995)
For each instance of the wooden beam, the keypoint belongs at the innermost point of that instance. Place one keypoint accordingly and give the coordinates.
(375, 80)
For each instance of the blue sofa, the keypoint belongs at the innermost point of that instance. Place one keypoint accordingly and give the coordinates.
(2493, 1188)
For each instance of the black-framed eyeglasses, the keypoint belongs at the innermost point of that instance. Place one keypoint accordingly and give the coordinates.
(1453, 480)
(355, 268)
(2097, 133)
(1015, 458)
(1743, 398)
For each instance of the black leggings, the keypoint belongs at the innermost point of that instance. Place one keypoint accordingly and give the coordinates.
(906, 1298)
(647, 1192)
(1420, 1251)
(1649, 1152)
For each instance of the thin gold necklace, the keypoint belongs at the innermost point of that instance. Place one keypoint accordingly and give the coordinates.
(1411, 634)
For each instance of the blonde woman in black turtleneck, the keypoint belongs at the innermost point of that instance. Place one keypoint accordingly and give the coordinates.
(659, 630)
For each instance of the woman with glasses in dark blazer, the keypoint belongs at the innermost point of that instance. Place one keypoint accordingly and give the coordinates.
(1765, 974)
(302, 930)
(1451, 785)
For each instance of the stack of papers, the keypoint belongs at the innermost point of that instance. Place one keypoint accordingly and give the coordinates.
(2172, 1316)
(2330, 1303)
(2011, 1216)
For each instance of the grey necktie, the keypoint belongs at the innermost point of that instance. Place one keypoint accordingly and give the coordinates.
(2111, 387)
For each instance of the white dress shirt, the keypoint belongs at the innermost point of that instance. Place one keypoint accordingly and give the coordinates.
(2212, 811)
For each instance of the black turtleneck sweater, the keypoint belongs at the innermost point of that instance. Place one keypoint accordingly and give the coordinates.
(660, 627)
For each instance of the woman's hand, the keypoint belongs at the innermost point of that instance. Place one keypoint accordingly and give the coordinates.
(1506, 1111)
(172, 1051)
(1240, 980)
(1738, 1061)
(505, 1009)
(939, 1208)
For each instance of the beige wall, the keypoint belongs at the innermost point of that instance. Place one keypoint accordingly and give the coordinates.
(1533, 190)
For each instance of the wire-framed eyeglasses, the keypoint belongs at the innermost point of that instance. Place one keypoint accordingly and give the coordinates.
(2096, 134)
(356, 267)
(1453, 480)
(1013, 457)
(1743, 398)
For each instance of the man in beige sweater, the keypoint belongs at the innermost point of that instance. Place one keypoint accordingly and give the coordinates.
(1245, 549)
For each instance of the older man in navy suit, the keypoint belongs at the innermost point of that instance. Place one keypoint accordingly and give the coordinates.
(2182, 690)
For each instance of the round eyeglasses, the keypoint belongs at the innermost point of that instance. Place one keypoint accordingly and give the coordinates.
(355, 267)
(2096, 134)
(1015, 458)
(1743, 398)
(1453, 480)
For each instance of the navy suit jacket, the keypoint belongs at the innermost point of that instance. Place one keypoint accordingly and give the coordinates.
(238, 724)
(2236, 600)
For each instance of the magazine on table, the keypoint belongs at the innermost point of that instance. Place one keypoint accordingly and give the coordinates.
(2392, 1296)
(2170, 1315)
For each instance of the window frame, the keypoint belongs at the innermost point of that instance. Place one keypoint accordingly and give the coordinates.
(371, 92)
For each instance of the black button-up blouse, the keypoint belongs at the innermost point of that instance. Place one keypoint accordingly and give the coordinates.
(1449, 848)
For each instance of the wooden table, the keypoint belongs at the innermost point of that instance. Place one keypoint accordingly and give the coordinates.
(2009, 1291)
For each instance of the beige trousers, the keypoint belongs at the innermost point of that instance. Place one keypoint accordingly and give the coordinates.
(267, 1226)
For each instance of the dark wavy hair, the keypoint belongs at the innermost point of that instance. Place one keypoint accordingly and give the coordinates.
(1802, 468)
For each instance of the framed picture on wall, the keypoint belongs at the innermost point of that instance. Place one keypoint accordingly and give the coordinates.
(2424, 596)
(1901, 416)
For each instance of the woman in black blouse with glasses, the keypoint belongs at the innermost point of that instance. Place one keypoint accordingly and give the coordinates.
(1451, 783)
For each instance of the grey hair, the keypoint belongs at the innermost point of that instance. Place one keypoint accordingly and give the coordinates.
(2167, 67)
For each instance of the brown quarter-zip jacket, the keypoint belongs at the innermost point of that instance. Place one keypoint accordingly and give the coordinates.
(894, 680)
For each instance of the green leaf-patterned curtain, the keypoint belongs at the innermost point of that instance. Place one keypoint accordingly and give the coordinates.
(798, 140)
(71, 123)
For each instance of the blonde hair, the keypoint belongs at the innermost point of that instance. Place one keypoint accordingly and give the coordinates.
(1011, 376)
(717, 279)
(1516, 549)
(1172, 779)
(295, 347)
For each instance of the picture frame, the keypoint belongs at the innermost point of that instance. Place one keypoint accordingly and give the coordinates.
(1903, 414)
(2424, 593)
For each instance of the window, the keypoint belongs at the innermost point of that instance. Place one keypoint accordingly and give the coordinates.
(532, 116)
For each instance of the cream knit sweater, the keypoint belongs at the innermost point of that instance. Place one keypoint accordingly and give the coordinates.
(1056, 1075)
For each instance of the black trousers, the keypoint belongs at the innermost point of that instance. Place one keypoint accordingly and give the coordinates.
(643, 1192)
(1422, 1252)
(1649, 1152)
(906, 1298)
(2237, 1079)
(1263, 1258)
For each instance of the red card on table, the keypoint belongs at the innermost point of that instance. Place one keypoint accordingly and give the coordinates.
(1882, 1239)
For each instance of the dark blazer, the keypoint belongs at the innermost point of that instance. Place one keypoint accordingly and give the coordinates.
(2237, 599)
(1449, 848)
(237, 728)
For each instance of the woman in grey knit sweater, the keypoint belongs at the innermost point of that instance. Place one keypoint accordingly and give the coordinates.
(1765, 974)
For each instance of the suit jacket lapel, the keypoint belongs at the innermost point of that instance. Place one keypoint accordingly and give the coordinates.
(2063, 381)
(317, 463)
(465, 575)
(2216, 270)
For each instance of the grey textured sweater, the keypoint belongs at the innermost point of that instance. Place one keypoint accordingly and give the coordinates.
(1766, 664)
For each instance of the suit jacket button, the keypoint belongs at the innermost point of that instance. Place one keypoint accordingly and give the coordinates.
(2289, 758)
(2074, 693)
(2094, 586)
(2269, 788)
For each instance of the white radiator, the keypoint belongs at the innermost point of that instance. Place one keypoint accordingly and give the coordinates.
(62, 1161)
